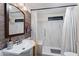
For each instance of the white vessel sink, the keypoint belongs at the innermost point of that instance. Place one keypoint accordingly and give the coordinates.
(25, 46)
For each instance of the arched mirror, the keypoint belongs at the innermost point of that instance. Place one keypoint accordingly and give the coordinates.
(14, 21)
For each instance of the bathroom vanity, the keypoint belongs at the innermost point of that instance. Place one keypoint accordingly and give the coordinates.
(23, 49)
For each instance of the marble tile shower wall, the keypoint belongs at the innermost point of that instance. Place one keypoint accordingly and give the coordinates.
(2, 32)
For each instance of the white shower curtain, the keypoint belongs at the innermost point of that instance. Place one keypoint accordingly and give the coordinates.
(69, 31)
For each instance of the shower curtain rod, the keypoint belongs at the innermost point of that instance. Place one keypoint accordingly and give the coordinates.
(53, 7)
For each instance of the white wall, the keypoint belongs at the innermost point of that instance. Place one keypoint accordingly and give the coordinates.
(34, 25)
(50, 32)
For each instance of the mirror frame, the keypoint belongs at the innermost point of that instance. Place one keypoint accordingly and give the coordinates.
(6, 14)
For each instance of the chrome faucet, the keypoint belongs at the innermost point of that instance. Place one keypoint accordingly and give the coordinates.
(18, 41)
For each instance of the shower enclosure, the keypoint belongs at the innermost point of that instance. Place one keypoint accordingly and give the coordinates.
(50, 24)
(48, 27)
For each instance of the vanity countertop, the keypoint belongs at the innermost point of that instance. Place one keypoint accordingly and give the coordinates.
(18, 49)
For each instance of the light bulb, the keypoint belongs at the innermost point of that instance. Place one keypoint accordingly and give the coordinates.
(24, 8)
(21, 4)
(10, 7)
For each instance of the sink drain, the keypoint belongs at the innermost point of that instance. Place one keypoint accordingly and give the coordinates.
(23, 48)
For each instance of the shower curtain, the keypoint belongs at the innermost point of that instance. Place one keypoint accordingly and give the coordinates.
(69, 36)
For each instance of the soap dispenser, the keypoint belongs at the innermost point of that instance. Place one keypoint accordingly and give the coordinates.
(9, 44)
